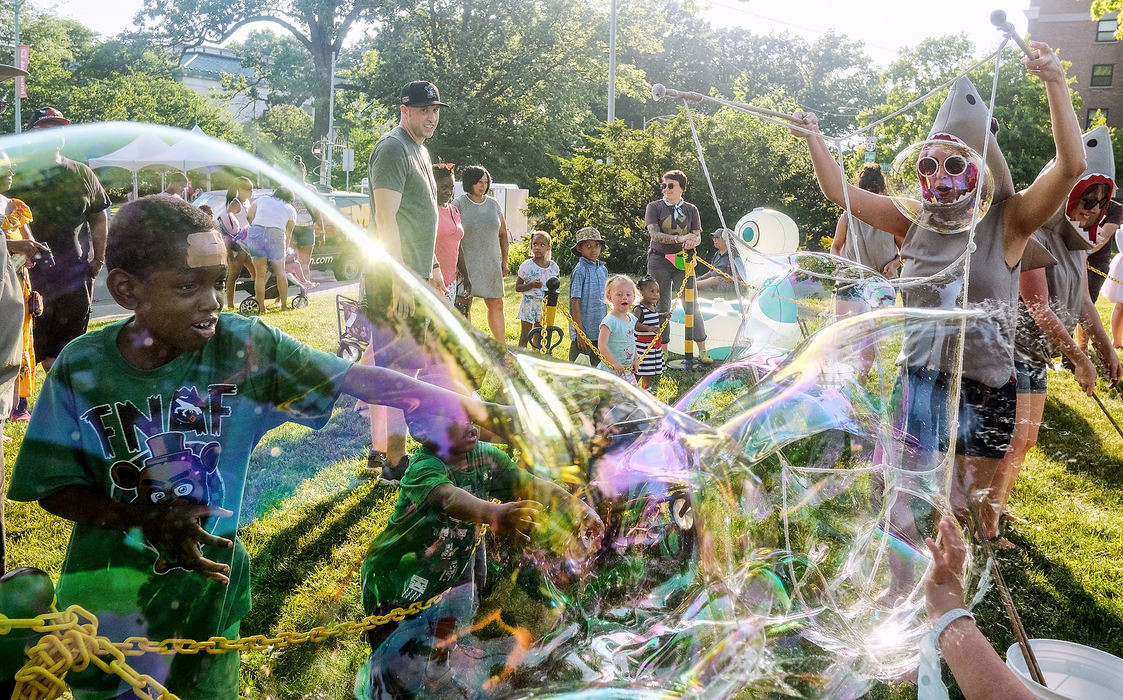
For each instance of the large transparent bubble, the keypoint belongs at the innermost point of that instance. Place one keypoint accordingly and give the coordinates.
(936, 185)
(762, 537)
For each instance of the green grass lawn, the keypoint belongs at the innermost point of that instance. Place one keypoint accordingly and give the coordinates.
(310, 515)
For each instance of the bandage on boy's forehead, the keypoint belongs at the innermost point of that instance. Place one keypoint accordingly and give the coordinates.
(205, 249)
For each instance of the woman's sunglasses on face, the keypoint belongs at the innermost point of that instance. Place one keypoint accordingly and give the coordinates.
(1090, 204)
(668, 185)
(953, 165)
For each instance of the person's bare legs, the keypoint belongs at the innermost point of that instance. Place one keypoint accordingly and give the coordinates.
(260, 273)
(304, 258)
(972, 485)
(495, 320)
(233, 269)
(1027, 424)
(282, 282)
(1116, 326)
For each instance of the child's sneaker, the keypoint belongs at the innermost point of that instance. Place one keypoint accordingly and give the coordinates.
(388, 474)
(704, 358)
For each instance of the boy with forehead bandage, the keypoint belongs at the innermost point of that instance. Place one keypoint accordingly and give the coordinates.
(143, 434)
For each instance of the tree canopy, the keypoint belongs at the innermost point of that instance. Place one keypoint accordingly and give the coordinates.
(319, 26)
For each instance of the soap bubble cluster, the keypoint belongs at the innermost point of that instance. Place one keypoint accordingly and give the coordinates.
(764, 535)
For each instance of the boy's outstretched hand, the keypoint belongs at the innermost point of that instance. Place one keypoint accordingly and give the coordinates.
(516, 517)
(176, 533)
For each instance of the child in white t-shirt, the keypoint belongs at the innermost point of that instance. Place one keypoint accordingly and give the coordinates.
(533, 274)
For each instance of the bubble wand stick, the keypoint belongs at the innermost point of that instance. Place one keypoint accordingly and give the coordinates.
(998, 19)
(1104, 409)
(1007, 600)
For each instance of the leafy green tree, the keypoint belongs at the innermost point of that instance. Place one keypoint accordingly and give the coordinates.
(319, 26)
(284, 130)
(282, 69)
(752, 163)
(520, 76)
(1102, 7)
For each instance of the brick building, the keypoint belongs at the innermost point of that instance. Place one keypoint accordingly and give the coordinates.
(1090, 45)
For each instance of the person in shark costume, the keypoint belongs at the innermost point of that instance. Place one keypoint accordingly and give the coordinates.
(929, 355)
(1053, 301)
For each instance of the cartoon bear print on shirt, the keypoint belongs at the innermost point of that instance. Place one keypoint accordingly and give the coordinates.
(169, 472)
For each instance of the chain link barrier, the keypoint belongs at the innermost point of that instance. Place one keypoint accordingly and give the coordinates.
(71, 642)
(1103, 274)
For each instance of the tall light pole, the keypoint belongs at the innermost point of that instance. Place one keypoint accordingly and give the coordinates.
(15, 55)
(325, 169)
(612, 62)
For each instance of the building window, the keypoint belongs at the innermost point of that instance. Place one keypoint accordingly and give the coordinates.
(1092, 113)
(1105, 29)
(1102, 74)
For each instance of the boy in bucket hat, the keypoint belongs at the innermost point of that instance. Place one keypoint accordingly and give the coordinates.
(586, 293)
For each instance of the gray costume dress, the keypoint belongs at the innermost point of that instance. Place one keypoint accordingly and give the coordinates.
(867, 245)
(480, 246)
(988, 345)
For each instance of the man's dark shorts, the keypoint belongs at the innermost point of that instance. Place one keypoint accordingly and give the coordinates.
(303, 236)
(406, 355)
(986, 414)
(1032, 379)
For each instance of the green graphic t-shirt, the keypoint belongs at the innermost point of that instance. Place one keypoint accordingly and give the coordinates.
(181, 432)
(422, 551)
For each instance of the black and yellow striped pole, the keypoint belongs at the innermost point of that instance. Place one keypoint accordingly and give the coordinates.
(546, 336)
(689, 306)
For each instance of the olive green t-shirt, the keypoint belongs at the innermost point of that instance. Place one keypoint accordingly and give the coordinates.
(400, 164)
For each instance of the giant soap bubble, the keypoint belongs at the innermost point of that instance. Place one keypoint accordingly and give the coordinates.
(937, 183)
(760, 537)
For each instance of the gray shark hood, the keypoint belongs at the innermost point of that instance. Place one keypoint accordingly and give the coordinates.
(1100, 170)
(965, 116)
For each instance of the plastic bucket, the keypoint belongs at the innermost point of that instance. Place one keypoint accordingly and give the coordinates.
(1072, 671)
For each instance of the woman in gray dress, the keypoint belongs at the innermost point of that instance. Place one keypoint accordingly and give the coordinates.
(484, 247)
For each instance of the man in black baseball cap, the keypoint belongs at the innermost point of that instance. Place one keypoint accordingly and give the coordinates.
(404, 208)
(421, 93)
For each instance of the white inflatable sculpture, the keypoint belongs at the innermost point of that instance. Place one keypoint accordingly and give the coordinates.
(761, 232)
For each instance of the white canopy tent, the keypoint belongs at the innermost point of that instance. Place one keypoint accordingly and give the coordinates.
(149, 151)
(209, 153)
(141, 153)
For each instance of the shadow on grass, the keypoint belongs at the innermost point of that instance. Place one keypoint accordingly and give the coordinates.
(1070, 439)
(1052, 603)
(288, 558)
(281, 463)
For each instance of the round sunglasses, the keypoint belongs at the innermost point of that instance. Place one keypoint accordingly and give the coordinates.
(953, 165)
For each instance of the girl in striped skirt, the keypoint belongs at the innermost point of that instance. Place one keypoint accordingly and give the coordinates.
(648, 320)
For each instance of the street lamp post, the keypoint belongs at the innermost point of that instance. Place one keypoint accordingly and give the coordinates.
(15, 54)
(612, 63)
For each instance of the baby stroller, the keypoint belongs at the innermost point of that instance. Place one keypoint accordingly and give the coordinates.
(298, 295)
(354, 332)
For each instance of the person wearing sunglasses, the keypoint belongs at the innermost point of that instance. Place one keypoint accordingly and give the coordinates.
(674, 225)
(930, 353)
(1054, 302)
